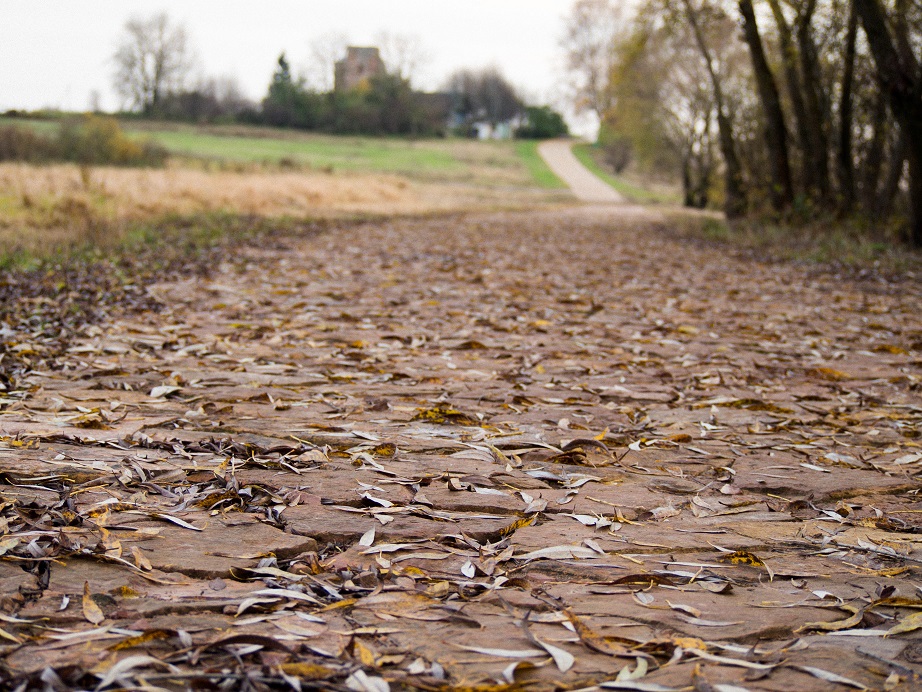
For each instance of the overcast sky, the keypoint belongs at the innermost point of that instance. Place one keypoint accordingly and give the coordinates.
(55, 53)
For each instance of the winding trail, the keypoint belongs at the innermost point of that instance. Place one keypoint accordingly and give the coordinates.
(558, 154)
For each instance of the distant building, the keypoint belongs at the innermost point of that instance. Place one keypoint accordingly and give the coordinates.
(357, 68)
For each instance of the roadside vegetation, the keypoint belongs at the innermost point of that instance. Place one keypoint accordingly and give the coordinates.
(592, 156)
(69, 184)
(850, 247)
(798, 118)
(540, 173)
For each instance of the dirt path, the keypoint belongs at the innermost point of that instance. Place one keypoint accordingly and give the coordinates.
(558, 154)
(492, 450)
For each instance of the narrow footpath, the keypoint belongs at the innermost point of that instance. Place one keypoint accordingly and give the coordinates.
(586, 186)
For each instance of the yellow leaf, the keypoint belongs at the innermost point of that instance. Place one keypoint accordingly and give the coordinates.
(690, 643)
(443, 414)
(910, 623)
(439, 589)
(742, 557)
(345, 603)
(890, 348)
(518, 524)
(829, 374)
(836, 625)
(144, 638)
(7, 635)
(91, 611)
(365, 655)
(307, 671)
(897, 602)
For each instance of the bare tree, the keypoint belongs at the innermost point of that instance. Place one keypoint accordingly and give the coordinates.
(589, 42)
(483, 94)
(403, 54)
(325, 50)
(153, 59)
(735, 203)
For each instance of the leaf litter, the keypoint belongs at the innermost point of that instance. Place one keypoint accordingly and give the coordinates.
(388, 456)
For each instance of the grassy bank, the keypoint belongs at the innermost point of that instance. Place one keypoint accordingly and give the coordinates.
(540, 173)
(850, 245)
(589, 155)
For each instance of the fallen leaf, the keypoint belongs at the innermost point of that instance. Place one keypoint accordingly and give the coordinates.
(503, 653)
(91, 611)
(826, 676)
(908, 624)
(836, 625)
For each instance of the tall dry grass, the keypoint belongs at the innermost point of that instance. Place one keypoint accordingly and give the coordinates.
(55, 206)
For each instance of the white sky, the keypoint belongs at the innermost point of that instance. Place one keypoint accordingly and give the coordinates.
(55, 53)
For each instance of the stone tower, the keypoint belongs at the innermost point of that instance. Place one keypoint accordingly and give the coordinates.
(357, 68)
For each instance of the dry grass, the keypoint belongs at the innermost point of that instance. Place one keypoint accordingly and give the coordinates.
(46, 208)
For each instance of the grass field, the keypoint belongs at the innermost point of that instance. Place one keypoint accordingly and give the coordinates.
(588, 156)
(260, 173)
(490, 163)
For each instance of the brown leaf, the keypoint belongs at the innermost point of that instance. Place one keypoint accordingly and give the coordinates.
(91, 611)
(611, 646)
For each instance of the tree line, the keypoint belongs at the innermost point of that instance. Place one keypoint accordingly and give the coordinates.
(803, 108)
(154, 60)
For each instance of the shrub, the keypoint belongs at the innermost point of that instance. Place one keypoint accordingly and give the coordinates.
(96, 140)
(22, 144)
(543, 123)
(90, 140)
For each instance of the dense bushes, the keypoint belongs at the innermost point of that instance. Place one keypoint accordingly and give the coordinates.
(542, 123)
(22, 144)
(90, 140)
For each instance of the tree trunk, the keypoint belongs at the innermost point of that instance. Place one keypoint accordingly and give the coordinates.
(875, 158)
(789, 60)
(900, 78)
(846, 157)
(735, 202)
(782, 192)
(883, 205)
(688, 195)
(815, 100)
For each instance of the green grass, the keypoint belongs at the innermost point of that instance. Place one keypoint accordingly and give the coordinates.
(588, 156)
(323, 152)
(40, 125)
(542, 175)
(491, 163)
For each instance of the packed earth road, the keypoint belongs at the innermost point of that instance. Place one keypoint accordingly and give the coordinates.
(544, 450)
(585, 186)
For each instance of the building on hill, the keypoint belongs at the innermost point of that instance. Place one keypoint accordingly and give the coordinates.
(357, 68)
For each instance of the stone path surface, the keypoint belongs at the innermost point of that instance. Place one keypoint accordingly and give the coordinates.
(542, 451)
(558, 154)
